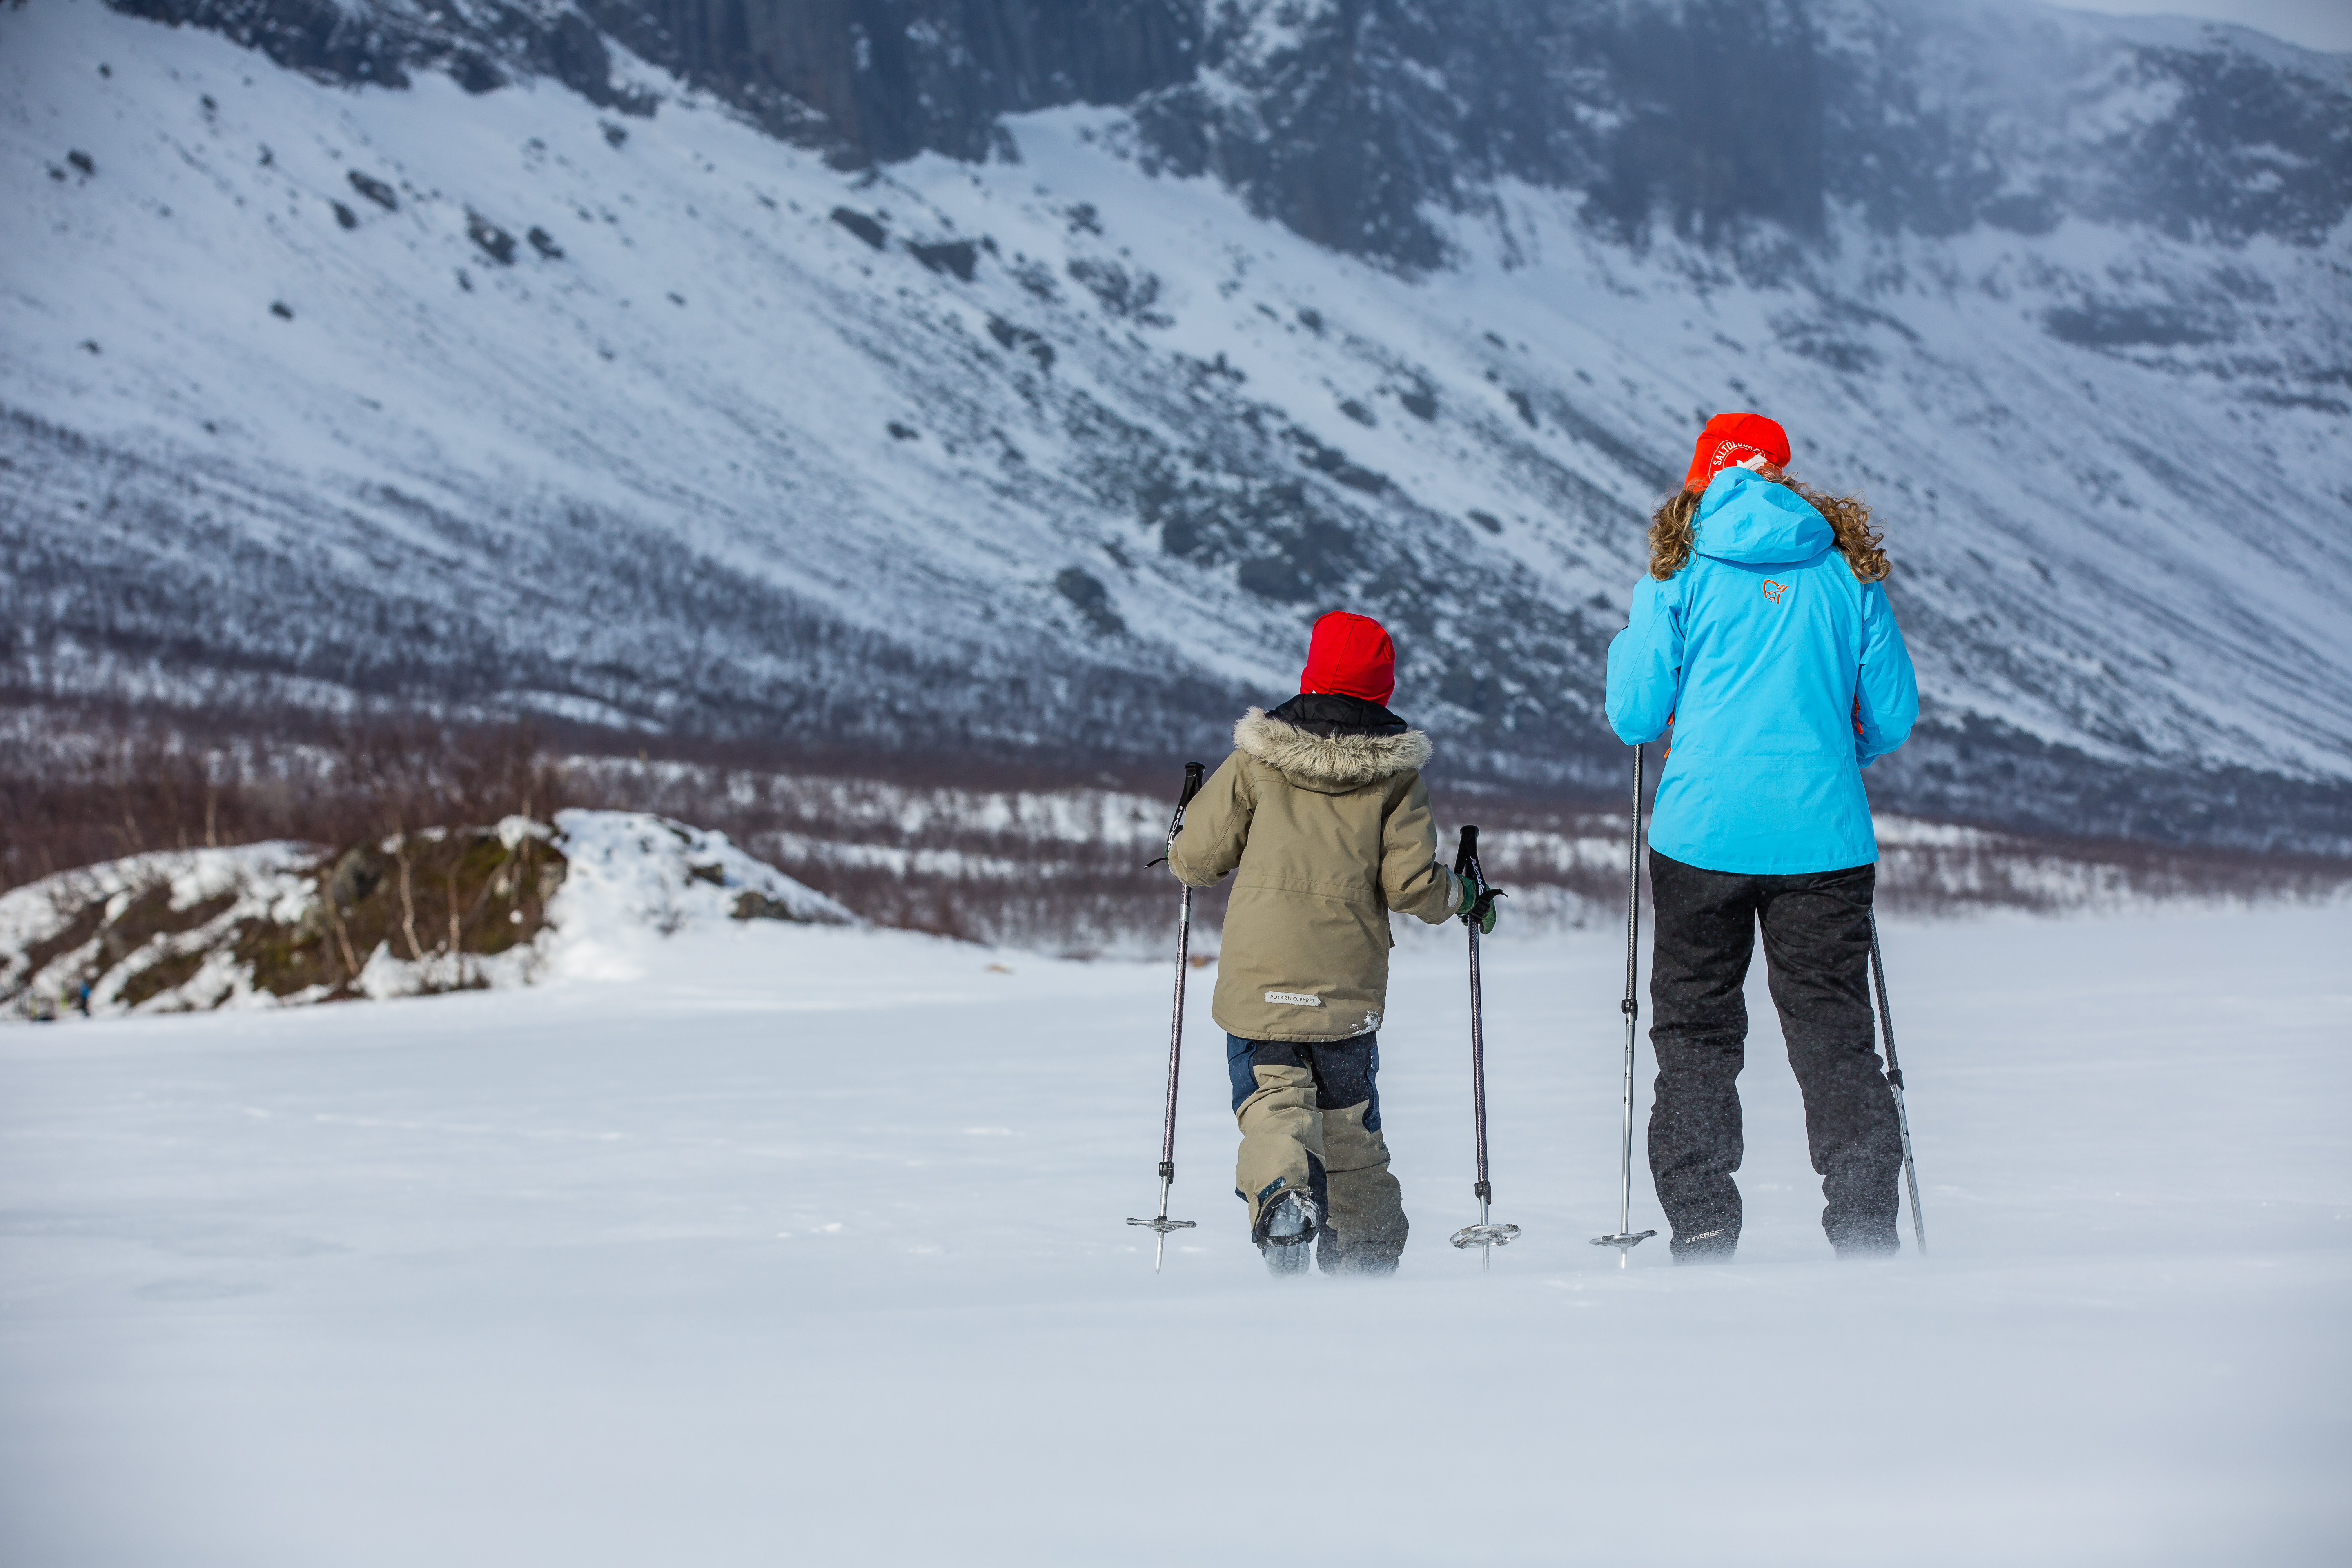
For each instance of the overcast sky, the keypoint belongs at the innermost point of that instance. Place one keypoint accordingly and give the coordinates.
(2313, 24)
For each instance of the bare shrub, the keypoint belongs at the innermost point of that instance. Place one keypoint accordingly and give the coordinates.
(101, 792)
(1016, 852)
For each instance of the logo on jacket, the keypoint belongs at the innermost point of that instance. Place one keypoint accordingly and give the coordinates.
(1773, 591)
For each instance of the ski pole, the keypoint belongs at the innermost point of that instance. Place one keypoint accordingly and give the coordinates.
(1627, 1239)
(1485, 1236)
(1895, 1081)
(1161, 1226)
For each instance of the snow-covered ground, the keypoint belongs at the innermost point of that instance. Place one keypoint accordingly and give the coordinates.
(804, 1245)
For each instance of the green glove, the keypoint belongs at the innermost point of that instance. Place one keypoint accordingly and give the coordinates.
(1478, 904)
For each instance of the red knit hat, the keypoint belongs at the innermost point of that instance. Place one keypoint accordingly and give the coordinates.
(1731, 438)
(1350, 654)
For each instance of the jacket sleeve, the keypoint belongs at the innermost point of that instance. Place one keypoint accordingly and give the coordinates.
(1888, 694)
(1646, 664)
(1410, 879)
(1216, 827)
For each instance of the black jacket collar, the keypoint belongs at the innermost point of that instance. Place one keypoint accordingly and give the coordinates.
(1328, 714)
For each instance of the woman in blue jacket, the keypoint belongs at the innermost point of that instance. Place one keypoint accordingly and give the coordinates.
(1762, 648)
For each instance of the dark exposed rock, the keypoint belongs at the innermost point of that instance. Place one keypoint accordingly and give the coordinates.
(281, 310)
(83, 161)
(862, 225)
(375, 190)
(1009, 336)
(1037, 278)
(496, 242)
(318, 37)
(2124, 326)
(956, 255)
(344, 216)
(476, 74)
(1126, 294)
(1332, 461)
(889, 79)
(380, 46)
(1488, 521)
(544, 243)
(1087, 596)
(903, 432)
(753, 905)
(356, 874)
(576, 50)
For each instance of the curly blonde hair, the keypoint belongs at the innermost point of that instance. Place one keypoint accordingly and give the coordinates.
(1673, 527)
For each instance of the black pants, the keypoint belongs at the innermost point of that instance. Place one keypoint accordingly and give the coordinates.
(1817, 951)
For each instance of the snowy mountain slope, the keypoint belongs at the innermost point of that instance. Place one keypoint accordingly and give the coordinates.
(1064, 452)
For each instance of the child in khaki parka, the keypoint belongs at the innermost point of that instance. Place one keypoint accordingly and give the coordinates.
(1321, 814)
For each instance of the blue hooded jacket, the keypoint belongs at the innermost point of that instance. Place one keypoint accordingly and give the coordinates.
(1780, 676)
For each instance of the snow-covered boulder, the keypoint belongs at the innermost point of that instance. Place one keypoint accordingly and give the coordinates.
(435, 909)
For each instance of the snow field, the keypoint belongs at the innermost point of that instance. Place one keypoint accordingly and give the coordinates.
(806, 1244)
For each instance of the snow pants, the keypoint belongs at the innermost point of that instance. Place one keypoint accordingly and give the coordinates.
(1816, 953)
(1311, 1121)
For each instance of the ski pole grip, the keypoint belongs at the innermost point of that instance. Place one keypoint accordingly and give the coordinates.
(1193, 771)
(1466, 855)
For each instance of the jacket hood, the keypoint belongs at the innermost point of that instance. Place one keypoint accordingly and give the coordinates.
(1331, 763)
(1747, 518)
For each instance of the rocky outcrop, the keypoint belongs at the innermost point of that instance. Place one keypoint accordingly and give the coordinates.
(1352, 120)
(889, 79)
(379, 45)
(438, 910)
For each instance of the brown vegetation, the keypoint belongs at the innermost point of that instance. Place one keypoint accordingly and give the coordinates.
(98, 792)
(1013, 855)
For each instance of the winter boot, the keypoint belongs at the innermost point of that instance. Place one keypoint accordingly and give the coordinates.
(1287, 1229)
(1865, 1240)
(1713, 1244)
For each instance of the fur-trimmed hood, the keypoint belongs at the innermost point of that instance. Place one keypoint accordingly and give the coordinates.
(1328, 763)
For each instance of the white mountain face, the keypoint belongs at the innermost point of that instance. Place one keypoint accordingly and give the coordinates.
(482, 364)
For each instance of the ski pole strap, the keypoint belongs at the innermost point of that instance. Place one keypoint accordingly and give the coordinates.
(1481, 898)
(1193, 771)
